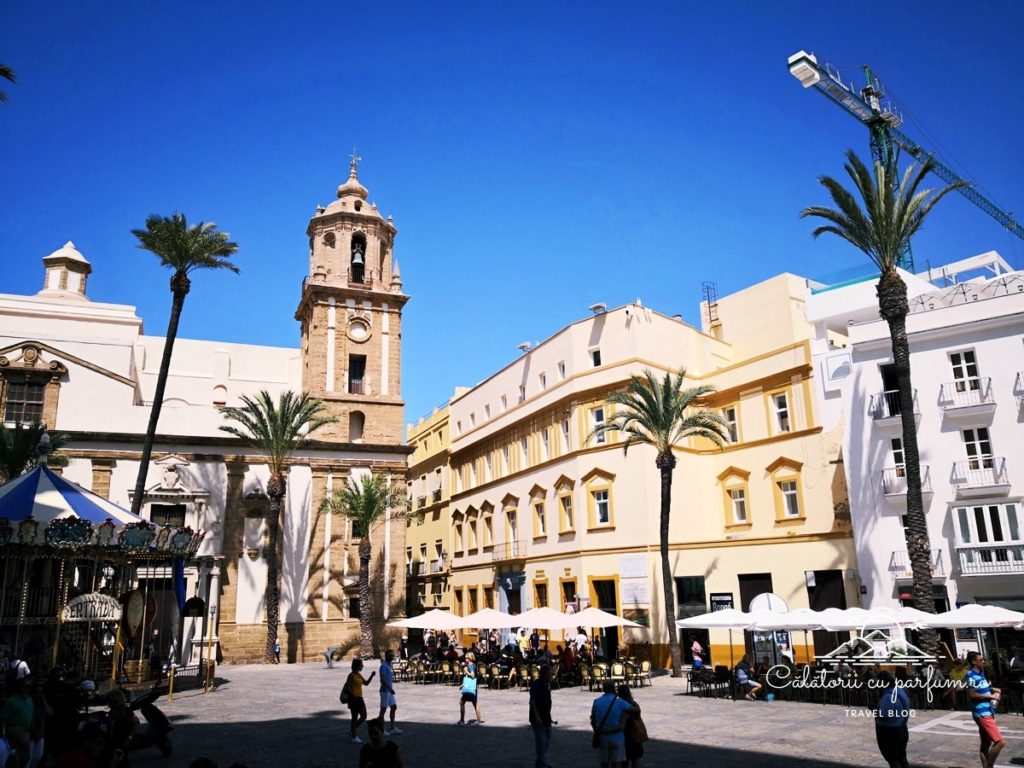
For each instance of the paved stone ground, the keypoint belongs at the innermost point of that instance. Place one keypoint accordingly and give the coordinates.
(289, 715)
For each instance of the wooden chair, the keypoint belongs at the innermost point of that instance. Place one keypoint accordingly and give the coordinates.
(556, 672)
(584, 671)
(645, 672)
(523, 673)
(445, 674)
(496, 677)
(598, 674)
(617, 672)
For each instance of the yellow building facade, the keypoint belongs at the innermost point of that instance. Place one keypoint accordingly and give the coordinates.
(542, 515)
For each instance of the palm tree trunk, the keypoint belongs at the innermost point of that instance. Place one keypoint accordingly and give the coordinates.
(666, 463)
(893, 306)
(179, 290)
(272, 599)
(365, 625)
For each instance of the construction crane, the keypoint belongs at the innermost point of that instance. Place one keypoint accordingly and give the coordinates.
(883, 122)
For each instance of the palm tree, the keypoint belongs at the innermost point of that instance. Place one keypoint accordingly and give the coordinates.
(662, 414)
(18, 448)
(7, 74)
(365, 503)
(276, 430)
(184, 249)
(894, 210)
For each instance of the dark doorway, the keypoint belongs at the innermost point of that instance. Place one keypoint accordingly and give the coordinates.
(890, 390)
(604, 590)
(758, 644)
(356, 374)
(691, 600)
(826, 591)
(515, 600)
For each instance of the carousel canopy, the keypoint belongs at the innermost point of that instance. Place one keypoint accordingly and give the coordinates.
(41, 508)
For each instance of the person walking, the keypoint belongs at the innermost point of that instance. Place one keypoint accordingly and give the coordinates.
(635, 730)
(356, 704)
(891, 713)
(387, 693)
(608, 717)
(540, 716)
(469, 691)
(277, 651)
(984, 701)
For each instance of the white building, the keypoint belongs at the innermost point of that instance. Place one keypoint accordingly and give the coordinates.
(967, 357)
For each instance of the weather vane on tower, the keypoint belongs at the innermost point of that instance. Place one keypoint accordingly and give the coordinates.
(354, 160)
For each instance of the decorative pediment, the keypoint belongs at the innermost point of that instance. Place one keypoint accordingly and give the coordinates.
(564, 483)
(597, 474)
(172, 488)
(457, 515)
(509, 501)
(728, 472)
(783, 463)
(486, 509)
(28, 358)
(538, 492)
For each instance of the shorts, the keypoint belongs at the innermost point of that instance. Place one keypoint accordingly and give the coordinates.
(387, 699)
(988, 731)
(611, 751)
(470, 697)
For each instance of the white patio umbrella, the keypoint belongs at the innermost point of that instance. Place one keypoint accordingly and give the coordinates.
(975, 615)
(488, 618)
(802, 618)
(727, 618)
(595, 617)
(843, 619)
(433, 619)
(546, 618)
(903, 616)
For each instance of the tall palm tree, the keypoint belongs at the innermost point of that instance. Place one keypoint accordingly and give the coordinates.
(7, 74)
(366, 503)
(184, 249)
(18, 448)
(663, 414)
(276, 430)
(894, 210)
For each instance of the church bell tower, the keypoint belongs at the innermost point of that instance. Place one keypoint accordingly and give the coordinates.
(351, 315)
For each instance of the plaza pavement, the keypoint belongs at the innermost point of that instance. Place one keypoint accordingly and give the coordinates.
(289, 715)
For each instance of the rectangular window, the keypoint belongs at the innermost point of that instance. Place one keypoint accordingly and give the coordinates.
(504, 403)
(540, 595)
(457, 532)
(602, 511)
(567, 521)
(458, 427)
(595, 357)
(522, 393)
(524, 451)
(897, 456)
(565, 435)
(472, 419)
(965, 370)
(780, 402)
(471, 602)
(488, 531)
(790, 498)
(569, 594)
(353, 608)
(597, 420)
(561, 370)
(545, 444)
(24, 402)
(738, 499)
(438, 549)
(540, 523)
(167, 514)
(487, 411)
(458, 602)
(488, 597)
(357, 375)
(733, 427)
(978, 447)
(489, 467)
(542, 379)
(513, 531)
(504, 459)
(472, 473)
(471, 543)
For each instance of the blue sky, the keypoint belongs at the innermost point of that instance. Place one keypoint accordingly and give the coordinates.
(537, 158)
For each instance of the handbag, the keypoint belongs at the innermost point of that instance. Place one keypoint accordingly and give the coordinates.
(595, 742)
(636, 730)
(343, 697)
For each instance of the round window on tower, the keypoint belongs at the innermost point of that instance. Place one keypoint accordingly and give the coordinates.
(358, 330)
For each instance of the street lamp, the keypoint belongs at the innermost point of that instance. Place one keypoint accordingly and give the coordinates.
(210, 666)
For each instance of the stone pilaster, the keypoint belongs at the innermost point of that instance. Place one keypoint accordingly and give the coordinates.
(101, 471)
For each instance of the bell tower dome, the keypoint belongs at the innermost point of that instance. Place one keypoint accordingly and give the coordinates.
(351, 316)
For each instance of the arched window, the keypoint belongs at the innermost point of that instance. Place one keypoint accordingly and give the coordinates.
(356, 424)
(357, 262)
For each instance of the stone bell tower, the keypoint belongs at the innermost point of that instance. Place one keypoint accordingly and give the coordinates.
(351, 315)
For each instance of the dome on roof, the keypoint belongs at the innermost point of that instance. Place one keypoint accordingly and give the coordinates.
(352, 186)
(68, 251)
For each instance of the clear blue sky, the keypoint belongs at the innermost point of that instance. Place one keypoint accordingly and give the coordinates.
(537, 157)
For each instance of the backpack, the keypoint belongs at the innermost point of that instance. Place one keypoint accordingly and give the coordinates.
(344, 696)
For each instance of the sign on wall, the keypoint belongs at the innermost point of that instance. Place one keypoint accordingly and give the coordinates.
(92, 607)
(721, 601)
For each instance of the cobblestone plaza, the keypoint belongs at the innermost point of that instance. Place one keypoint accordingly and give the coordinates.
(290, 715)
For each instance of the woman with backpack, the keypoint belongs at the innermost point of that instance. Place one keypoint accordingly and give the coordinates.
(352, 696)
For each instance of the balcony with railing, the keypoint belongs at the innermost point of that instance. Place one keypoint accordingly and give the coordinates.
(438, 565)
(884, 408)
(894, 482)
(899, 564)
(967, 397)
(435, 497)
(991, 559)
(981, 476)
(358, 387)
(421, 568)
(513, 550)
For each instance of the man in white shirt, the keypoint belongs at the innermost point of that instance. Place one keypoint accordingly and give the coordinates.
(581, 640)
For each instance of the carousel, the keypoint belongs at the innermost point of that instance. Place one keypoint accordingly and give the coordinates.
(70, 593)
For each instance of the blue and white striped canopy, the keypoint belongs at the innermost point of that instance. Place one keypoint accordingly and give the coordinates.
(45, 495)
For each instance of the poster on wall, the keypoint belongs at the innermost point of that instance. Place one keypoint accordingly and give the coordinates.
(721, 601)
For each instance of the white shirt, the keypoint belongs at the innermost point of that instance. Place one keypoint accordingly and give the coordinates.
(581, 641)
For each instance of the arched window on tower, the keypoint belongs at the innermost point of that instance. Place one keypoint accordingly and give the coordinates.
(357, 262)
(356, 423)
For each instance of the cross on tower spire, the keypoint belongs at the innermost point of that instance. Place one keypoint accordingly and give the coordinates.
(353, 161)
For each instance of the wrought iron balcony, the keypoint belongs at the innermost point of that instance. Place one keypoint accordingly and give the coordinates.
(513, 550)
(966, 397)
(981, 476)
(899, 564)
(885, 407)
(991, 559)
(437, 565)
(357, 387)
(421, 568)
(894, 480)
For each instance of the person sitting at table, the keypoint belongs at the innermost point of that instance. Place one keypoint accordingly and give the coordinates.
(762, 668)
(745, 680)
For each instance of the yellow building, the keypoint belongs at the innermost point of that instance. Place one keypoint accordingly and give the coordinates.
(428, 526)
(540, 515)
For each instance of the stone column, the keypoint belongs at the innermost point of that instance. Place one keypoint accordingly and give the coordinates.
(318, 607)
(213, 636)
(101, 471)
(234, 524)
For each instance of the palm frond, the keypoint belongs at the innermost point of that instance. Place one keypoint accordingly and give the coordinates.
(365, 501)
(185, 248)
